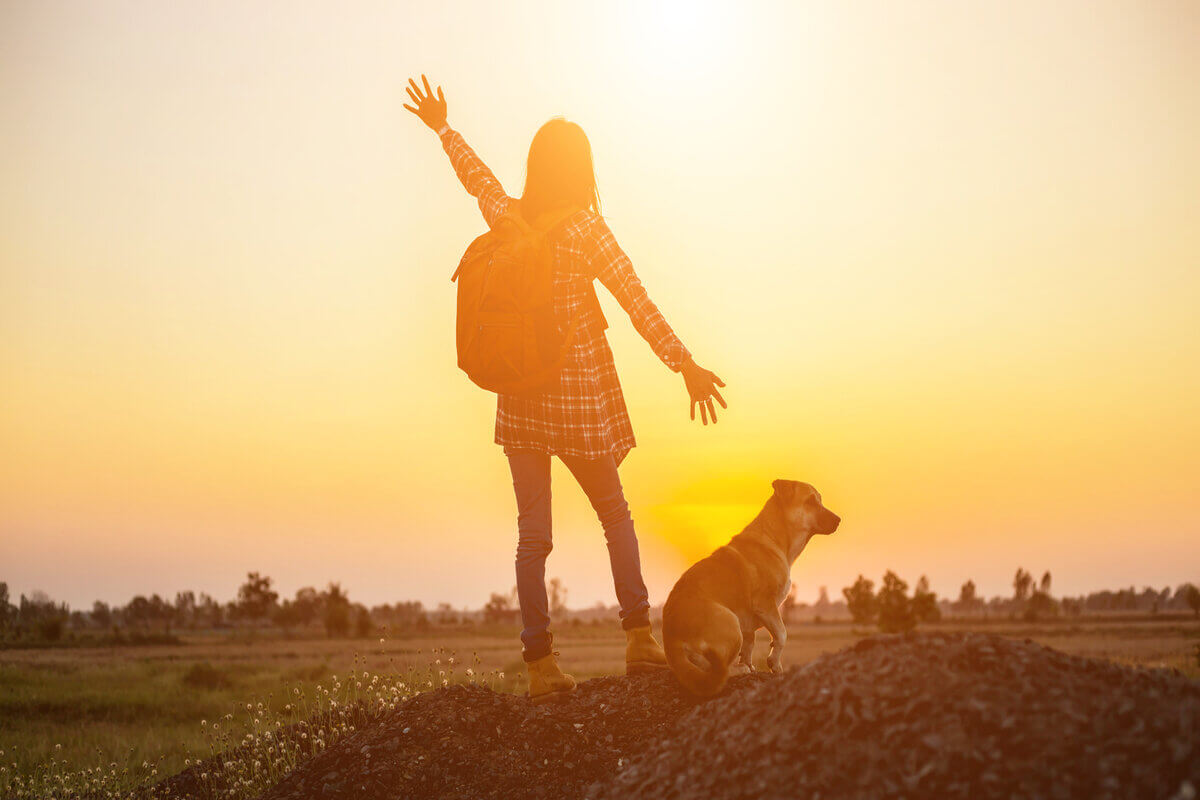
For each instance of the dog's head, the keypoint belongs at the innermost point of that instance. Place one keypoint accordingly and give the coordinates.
(804, 514)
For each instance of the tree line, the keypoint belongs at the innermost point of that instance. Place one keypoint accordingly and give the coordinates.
(890, 607)
(893, 610)
(154, 618)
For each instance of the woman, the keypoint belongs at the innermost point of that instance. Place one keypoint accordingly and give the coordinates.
(583, 419)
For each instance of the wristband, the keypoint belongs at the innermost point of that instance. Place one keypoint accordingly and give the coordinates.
(442, 130)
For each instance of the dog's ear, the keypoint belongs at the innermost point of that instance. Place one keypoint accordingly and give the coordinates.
(785, 490)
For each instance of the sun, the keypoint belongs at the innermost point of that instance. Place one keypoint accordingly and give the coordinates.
(677, 41)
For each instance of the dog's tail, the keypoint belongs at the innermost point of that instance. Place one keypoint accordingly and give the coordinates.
(702, 665)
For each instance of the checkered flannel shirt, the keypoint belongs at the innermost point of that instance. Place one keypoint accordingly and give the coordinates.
(585, 414)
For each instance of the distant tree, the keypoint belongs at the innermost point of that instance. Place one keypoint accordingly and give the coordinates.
(822, 606)
(446, 615)
(336, 605)
(556, 591)
(185, 608)
(500, 607)
(404, 615)
(362, 622)
(6, 609)
(286, 615)
(256, 599)
(967, 598)
(895, 609)
(307, 605)
(860, 600)
(162, 612)
(1041, 604)
(1192, 595)
(39, 614)
(102, 616)
(924, 602)
(1022, 583)
(138, 611)
(209, 610)
(1045, 584)
(50, 627)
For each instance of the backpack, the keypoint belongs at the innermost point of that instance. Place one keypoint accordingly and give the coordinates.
(508, 338)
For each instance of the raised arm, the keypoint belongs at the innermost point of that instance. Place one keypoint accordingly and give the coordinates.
(476, 178)
(615, 271)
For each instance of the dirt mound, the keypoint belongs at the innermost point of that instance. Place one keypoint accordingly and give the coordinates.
(935, 716)
(470, 742)
(910, 716)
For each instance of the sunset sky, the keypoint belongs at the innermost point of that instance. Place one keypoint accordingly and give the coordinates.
(945, 255)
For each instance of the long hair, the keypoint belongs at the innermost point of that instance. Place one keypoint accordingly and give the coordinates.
(559, 171)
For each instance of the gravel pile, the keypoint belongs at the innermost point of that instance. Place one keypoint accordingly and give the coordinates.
(470, 742)
(926, 715)
(934, 715)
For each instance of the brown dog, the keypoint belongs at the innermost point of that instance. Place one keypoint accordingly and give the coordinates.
(711, 615)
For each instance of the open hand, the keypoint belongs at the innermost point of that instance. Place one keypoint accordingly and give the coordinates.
(431, 110)
(702, 388)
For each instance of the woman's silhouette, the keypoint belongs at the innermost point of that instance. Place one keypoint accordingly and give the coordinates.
(583, 419)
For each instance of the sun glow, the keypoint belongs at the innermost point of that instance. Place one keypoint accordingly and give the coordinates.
(677, 45)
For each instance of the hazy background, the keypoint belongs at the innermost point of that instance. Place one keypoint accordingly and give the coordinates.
(945, 255)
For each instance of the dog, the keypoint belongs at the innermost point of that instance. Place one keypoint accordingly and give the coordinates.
(714, 609)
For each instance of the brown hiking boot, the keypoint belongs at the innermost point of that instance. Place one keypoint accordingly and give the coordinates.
(546, 681)
(643, 653)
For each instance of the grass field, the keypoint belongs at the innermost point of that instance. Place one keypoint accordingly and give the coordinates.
(133, 704)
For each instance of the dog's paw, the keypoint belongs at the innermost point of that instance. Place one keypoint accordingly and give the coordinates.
(775, 663)
(739, 669)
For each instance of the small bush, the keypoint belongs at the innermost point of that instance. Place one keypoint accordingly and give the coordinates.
(50, 629)
(206, 676)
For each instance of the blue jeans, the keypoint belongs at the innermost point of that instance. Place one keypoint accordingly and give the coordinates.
(599, 480)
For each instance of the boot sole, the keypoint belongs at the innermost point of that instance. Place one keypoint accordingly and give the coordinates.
(643, 667)
(551, 697)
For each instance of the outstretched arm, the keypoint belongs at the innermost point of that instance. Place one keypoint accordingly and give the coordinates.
(474, 174)
(615, 271)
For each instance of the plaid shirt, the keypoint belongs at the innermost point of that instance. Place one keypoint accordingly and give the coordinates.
(585, 414)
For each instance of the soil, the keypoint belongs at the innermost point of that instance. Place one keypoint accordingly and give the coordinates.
(915, 715)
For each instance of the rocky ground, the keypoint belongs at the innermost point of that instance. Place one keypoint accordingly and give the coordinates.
(926, 715)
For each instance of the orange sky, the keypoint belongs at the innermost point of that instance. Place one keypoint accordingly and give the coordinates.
(945, 256)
